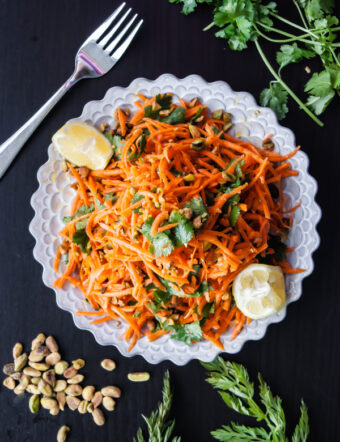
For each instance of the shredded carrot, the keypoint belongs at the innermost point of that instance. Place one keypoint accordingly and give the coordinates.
(160, 235)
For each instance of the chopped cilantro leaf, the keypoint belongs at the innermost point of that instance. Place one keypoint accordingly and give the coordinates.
(176, 116)
(81, 239)
(188, 333)
(184, 232)
(234, 214)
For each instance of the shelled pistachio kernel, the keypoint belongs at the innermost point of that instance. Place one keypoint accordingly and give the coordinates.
(90, 408)
(98, 417)
(9, 383)
(53, 358)
(24, 381)
(54, 411)
(8, 369)
(70, 372)
(17, 350)
(97, 399)
(108, 364)
(51, 344)
(60, 367)
(88, 392)
(60, 385)
(78, 364)
(109, 403)
(83, 407)
(45, 388)
(30, 371)
(34, 403)
(35, 381)
(41, 366)
(37, 341)
(139, 376)
(74, 390)
(62, 433)
(61, 399)
(33, 389)
(48, 403)
(111, 391)
(19, 389)
(20, 362)
(76, 379)
(49, 377)
(72, 402)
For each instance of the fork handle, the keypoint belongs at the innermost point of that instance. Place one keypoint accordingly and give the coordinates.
(11, 147)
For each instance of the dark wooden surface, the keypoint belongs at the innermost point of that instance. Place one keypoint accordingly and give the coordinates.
(298, 357)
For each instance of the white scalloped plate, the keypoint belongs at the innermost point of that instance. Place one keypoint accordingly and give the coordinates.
(53, 198)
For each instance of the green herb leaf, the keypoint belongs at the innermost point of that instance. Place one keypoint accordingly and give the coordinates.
(292, 54)
(234, 214)
(274, 242)
(301, 431)
(136, 198)
(184, 232)
(276, 98)
(164, 101)
(162, 243)
(197, 114)
(321, 91)
(176, 116)
(159, 428)
(81, 239)
(117, 142)
(110, 197)
(188, 333)
(190, 5)
(83, 210)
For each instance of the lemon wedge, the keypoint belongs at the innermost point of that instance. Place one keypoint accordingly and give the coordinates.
(259, 290)
(83, 145)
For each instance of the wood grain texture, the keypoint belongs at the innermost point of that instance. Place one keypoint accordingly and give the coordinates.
(298, 357)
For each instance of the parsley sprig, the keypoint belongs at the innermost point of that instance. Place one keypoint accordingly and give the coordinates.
(233, 384)
(158, 426)
(241, 22)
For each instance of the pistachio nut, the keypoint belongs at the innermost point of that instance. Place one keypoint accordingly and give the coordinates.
(34, 403)
(76, 379)
(139, 376)
(194, 131)
(38, 340)
(52, 344)
(74, 390)
(20, 362)
(109, 403)
(72, 402)
(30, 371)
(48, 403)
(217, 114)
(24, 381)
(108, 364)
(111, 391)
(78, 364)
(83, 407)
(226, 117)
(60, 367)
(45, 388)
(70, 372)
(198, 144)
(53, 358)
(17, 350)
(16, 375)
(9, 383)
(227, 126)
(90, 408)
(54, 411)
(60, 385)
(189, 178)
(39, 353)
(8, 369)
(19, 389)
(49, 377)
(41, 366)
(33, 389)
(88, 392)
(35, 381)
(98, 417)
(62, 433)
(61, 399)
(97, 399)
(268, 144)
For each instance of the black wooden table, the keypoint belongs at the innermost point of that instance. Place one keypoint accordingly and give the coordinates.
(298, 357)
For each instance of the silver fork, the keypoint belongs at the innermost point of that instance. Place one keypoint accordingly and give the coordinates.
(96, 56)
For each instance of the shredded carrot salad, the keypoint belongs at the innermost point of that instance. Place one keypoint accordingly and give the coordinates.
(158, 237)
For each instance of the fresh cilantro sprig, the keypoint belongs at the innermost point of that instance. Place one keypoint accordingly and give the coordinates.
(243, 22)
(187, 333)
(233, 384)
(159, 427)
